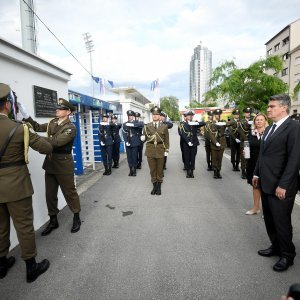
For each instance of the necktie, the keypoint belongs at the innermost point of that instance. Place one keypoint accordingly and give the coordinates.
(272, 131)
(155, 125)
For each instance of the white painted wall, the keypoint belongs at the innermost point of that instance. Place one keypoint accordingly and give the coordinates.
(22, 70)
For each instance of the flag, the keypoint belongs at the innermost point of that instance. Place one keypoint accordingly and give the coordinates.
(96, 79)
(111, 83)
(102, 86)
(154, 84)
(13, 102)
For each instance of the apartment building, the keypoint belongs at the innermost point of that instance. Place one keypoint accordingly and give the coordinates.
(286, 44)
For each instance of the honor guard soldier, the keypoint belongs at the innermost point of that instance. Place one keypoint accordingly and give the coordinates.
(117, 140)
(296, 117)
(59, 165)
(16, 188)
(156, 136)
(106, 143)
(244, 130)
(188, 131)
(207, 140)
(217, 142)
(181, 139)
(141, 145)
(163, 119)
(235, 142)
(131, 136)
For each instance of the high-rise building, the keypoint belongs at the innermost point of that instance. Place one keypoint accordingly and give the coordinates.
(200, 73)
(286, 44)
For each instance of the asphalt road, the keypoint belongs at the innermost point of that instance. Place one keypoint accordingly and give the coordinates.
(192, 242)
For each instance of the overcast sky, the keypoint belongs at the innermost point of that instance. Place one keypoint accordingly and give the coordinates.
(139, 41)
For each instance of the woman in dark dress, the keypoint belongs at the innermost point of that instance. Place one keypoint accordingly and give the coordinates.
(260, 122)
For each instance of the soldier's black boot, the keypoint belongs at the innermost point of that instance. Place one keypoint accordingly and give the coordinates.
(243, 174)
(215, 174)
(116, 164)
(158, 188)
(53, 224)
(218, 174)
(237, 167)
(106, 170)
(233, 167)
(153, 192)
(192, 174)
(76, 223)
(133, 171)
(5, 265)
(139, 166)
(209, 168)
(188, 173)
(130, 172)
(34, 269)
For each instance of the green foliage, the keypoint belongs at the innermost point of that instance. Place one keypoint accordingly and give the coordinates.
(247, 87)
(170, 105)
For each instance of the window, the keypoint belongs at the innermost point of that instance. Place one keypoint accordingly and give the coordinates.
(297, 61)
(269, 52)
(284, 72)
(285, 56)
(276, 47)
(285, 41)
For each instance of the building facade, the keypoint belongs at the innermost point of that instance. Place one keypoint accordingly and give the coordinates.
(286, 44)
(200, 73)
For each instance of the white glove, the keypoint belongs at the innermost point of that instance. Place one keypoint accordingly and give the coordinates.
(237, 141)
(218, 144)
(102, 144)
(127, 144)
(221, 123)
(104, 123)
(250, 122)
(193, 123)
(130, 124)
(143, 138)
(166, 153)
(23, 110)
(190, 144)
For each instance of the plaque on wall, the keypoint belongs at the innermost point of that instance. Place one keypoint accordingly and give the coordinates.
(45, 101)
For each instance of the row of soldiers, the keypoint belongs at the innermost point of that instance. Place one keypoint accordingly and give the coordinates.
(215, 140)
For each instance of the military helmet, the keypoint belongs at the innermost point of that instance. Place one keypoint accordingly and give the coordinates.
(4, 90)
(155, 110)
(217, 111)
(63, 104)
(130, 113)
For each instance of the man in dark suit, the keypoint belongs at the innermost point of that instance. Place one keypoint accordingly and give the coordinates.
(276, 173)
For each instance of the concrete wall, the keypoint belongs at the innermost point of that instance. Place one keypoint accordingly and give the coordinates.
(21, 70)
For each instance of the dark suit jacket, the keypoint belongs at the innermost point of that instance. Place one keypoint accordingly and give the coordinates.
(279, 159)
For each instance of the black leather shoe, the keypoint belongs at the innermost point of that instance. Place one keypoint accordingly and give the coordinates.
(139, 166)
(130, 173)
(76, 223)
(268, 252)
(283, 264)
(215, 174)
(219, 175)
(192, 174)
(133, 171)
(7, 264)
(37, 269)
(53, 224)
(243, 175)
(153, 192)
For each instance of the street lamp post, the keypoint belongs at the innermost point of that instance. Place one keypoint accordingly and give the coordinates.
(90, 48)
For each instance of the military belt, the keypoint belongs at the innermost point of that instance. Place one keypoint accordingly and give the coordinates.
(61, 151)
(12, 164)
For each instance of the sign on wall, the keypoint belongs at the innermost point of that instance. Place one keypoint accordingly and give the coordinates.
(45, 101)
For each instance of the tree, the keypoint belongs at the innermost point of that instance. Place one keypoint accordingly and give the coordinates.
(251, 86)
(170, 105)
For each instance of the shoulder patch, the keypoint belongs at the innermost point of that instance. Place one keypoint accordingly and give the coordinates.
(68, 131)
